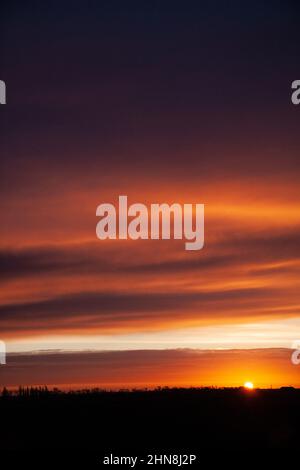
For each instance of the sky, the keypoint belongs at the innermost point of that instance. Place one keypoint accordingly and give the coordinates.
(164, 103)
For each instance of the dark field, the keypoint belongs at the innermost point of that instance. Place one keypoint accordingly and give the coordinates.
(96, 423)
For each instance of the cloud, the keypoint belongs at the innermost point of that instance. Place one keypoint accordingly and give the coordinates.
(142, 368)
(107, 287)
(91, 258)
(116, 311)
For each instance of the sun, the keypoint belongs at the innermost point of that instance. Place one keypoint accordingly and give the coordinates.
(249, 385)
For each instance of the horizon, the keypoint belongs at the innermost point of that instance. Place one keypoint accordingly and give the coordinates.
(265, 368)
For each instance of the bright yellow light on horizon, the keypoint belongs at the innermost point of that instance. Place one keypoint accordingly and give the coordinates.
(249, 385)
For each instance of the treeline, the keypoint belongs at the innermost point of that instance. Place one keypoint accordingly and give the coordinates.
(44, 391)
(26, 392)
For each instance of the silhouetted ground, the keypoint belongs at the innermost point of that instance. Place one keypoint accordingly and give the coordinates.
(141, 422)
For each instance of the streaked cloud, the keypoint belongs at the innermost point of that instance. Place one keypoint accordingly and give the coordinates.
(119, 369)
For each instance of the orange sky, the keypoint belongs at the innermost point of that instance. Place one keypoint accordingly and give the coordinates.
(59, 278)
(264, 367)
(65, 289)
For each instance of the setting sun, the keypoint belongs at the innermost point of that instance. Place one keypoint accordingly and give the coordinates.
(249, 385)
